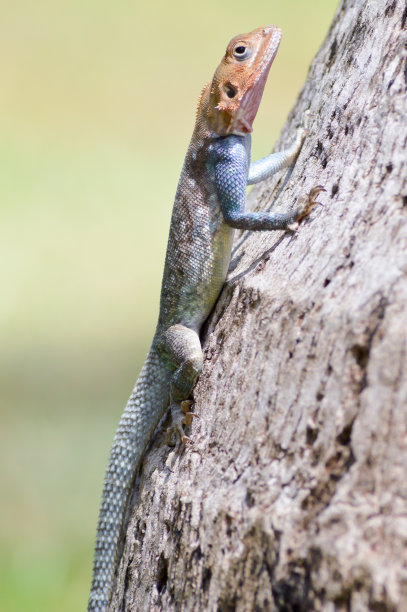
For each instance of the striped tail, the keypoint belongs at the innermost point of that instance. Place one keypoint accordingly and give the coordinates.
(140, 418)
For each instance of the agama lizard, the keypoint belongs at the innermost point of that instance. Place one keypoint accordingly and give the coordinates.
(209, 204)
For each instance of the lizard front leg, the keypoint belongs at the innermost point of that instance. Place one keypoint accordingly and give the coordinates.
(183, 346)
(267, 166)
(230, 161)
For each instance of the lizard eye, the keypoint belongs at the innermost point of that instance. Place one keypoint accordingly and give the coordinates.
(230, 90)
(241, 51)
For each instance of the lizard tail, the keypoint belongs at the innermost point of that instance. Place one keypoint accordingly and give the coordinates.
(140, 418)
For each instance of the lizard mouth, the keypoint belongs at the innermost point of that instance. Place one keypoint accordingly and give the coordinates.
(254, 90)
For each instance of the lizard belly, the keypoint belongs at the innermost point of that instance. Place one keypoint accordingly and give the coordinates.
(198, 256)
(204, 291)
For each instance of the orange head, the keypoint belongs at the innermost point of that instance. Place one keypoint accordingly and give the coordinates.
(229, 104)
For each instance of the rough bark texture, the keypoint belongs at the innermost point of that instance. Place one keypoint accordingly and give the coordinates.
(294, 494)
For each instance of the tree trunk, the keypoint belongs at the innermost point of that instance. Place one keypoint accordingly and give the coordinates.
(294, 493)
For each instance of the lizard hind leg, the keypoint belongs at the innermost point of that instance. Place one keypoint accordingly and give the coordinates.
(183, 345)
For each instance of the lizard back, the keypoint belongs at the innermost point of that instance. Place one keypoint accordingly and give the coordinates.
(199, 243)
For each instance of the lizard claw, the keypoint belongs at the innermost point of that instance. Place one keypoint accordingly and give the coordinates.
(307, 205)
(181, 417)
(188, 415)
(186, 405)
(188, 418)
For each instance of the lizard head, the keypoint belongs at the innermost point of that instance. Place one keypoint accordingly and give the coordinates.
(233, 97)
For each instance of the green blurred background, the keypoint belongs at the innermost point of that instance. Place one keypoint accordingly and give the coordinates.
(97, 105)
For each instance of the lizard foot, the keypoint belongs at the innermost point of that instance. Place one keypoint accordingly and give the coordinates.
(181, 417)
(306, 205)
(302, 130)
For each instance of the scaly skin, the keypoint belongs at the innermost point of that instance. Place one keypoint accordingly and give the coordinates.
(209, 203)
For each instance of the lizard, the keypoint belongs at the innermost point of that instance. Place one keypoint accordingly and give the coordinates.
(209, 205)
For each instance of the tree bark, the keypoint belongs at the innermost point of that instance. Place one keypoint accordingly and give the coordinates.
(294, 493)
